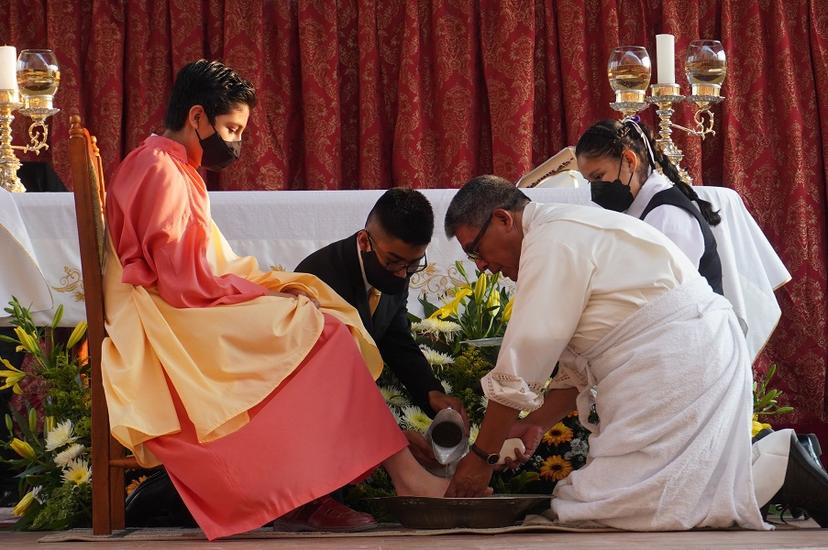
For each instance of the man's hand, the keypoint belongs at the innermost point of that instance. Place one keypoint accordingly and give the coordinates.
(531, 435)
(438, 401)
(471, 478)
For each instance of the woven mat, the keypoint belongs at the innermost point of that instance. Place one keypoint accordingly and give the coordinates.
(532, 524)
(539, 525)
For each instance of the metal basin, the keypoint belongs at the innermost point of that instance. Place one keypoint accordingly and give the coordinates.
(448, 513)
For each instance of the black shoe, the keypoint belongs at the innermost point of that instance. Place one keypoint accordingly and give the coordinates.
(811, 444)
(805, 486)
(156, 503)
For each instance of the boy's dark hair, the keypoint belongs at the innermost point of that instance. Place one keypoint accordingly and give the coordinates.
(210, 84)
(405, 214)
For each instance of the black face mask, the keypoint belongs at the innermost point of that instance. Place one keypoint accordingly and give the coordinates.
(218, 154)
(612, 195)
(379, 277)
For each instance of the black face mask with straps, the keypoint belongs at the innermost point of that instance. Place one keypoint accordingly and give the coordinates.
(379, 277)
(612, 195)
(217, 153)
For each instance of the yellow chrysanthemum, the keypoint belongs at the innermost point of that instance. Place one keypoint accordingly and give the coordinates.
(555, 467)
(557, 434)
(78, 472)
(416, 419)
(61, 435)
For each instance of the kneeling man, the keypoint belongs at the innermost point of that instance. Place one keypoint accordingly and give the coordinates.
(652, 358)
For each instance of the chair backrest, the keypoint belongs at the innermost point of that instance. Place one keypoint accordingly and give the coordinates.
(89, 191)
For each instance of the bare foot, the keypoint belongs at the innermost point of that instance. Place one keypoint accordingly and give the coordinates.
(426, 484)
(411, 479)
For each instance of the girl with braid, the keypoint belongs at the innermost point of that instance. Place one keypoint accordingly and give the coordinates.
(629, 174)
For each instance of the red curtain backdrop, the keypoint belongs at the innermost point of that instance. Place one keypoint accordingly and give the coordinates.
(377, 93)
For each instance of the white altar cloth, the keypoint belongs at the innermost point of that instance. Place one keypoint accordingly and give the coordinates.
(20, 274)
(280, 228)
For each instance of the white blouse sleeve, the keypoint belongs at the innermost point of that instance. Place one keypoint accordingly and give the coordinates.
(553, 290)
(681, 228)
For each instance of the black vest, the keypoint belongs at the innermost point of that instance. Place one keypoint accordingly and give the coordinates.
(710, 266)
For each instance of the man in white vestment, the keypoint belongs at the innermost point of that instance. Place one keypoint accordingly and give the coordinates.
(652, 358)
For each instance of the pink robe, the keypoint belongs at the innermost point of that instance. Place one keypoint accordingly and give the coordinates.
(255, 404)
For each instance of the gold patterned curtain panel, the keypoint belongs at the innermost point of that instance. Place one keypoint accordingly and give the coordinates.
(376, 93)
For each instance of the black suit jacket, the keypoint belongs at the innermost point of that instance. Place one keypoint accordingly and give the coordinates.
(338, 265)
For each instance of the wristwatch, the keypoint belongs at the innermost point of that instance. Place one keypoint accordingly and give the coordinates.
(490, 459)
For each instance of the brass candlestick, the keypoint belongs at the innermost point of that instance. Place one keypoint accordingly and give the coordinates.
(9, 102)
(663, 96)
(706, 68)
(37, 78)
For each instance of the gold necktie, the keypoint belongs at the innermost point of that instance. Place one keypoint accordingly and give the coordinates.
(373, 300)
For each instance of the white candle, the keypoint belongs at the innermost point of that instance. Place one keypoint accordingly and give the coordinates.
(8, 68)
(665, 55)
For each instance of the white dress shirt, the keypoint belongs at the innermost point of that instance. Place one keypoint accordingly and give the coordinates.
(682, 228)
(582, 272)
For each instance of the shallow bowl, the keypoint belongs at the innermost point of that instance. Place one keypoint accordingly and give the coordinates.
(449, 513)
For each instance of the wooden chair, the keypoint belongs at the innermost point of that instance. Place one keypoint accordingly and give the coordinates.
(108, 460)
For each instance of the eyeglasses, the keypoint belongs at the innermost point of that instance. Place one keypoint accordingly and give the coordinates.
(472, 252)
(398, 265)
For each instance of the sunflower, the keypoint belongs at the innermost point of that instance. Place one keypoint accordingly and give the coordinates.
(134, 484)
(557, 434)
(555, 467)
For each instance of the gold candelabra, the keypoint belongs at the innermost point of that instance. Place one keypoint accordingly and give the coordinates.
(28, 84)
(629, 74)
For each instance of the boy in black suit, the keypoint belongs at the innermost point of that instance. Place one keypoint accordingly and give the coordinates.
(371, 270)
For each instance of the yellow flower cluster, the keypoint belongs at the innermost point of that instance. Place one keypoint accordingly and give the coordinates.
(12, 375)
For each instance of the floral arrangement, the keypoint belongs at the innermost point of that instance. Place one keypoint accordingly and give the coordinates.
(476, 309)
(49, 423)
(766, 401)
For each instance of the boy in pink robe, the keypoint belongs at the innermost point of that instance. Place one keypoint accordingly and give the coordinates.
(240, 382)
